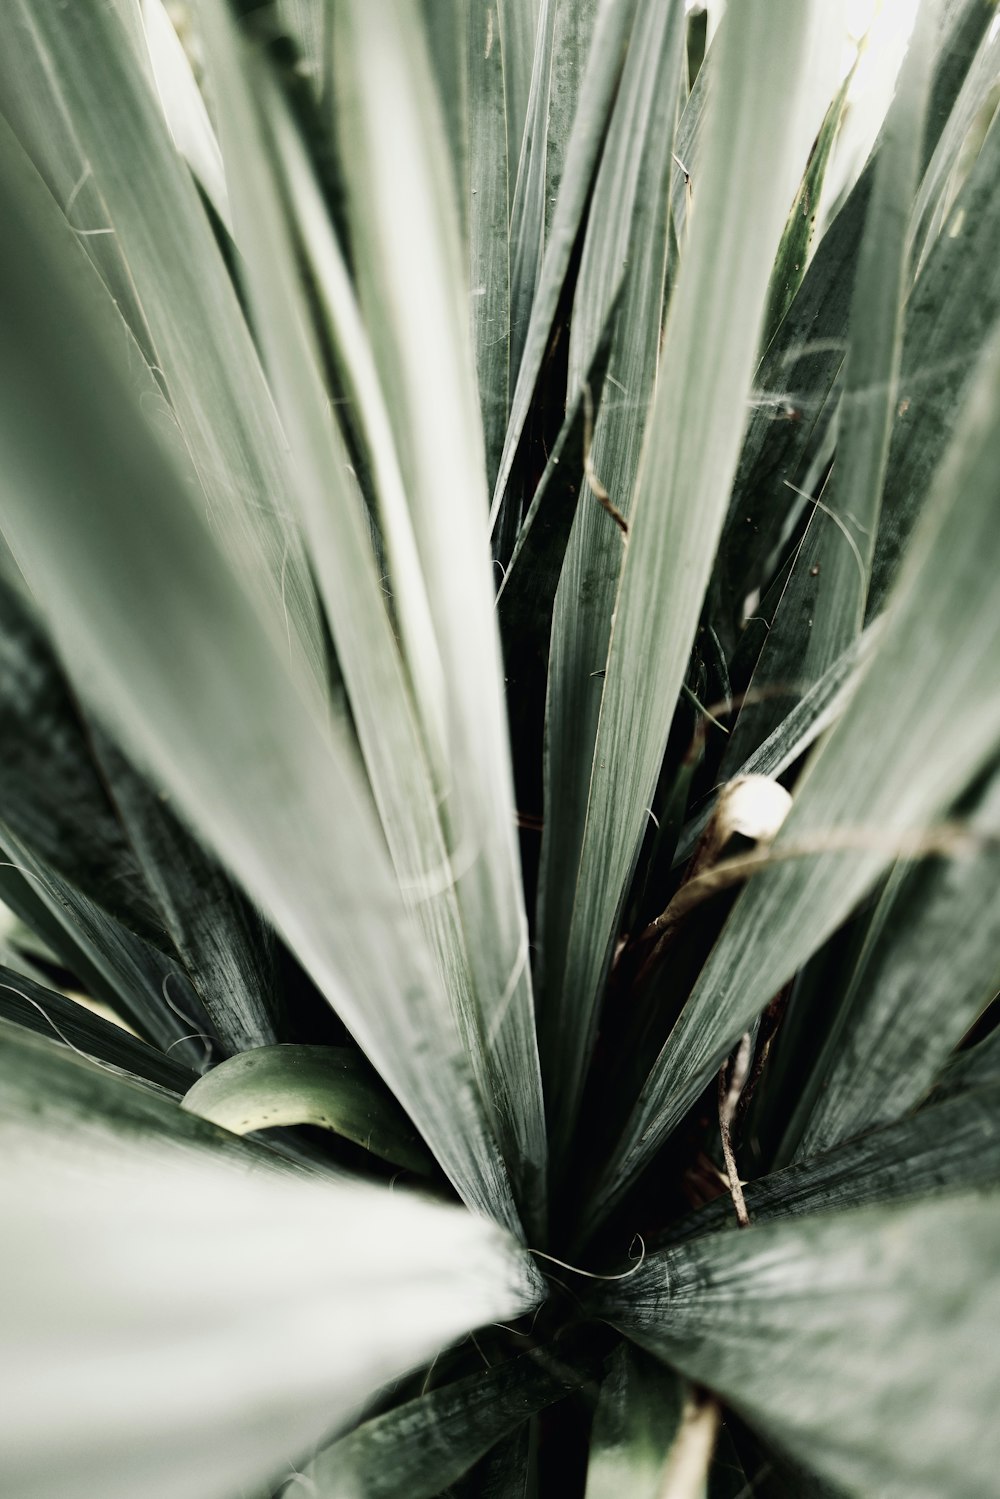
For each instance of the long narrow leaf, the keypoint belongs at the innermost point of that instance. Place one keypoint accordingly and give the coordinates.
(626, 244)
(418, 1449)
(70, 75)
(145, 608)
(411, 281)
(951, 1146)
(882, 777)
(828, 584)
(31, 1005)
(534, 298)
(687, 466)
(911, 999)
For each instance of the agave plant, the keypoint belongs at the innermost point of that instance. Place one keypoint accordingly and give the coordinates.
(500, 773)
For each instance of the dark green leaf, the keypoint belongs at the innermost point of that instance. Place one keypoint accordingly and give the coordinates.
(418, 1449)
(625, 246)
(863, 1343)
(30, 1004)
(949, 1146)
(929, 967)
(879, 778)
(690, 451)
(636, 1423)
(953, 311)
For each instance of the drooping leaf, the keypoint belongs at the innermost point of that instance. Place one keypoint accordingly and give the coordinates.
(346, 567)
(862, 1343)
(327, 1086)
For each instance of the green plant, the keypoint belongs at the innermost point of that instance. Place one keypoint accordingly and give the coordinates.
(478, 922)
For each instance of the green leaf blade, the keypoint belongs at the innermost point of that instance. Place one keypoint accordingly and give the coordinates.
(861, 1343)
(688, 461)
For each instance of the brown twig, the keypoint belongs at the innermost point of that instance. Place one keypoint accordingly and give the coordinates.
(594, 484)
(732, 1077)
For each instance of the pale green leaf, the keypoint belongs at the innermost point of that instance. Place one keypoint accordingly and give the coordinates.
(345, 564)
(156, 1342)
(626, 245)
(518, 21)
(70, 75)
(537, 278)
(492, 162)
(184, 108)
(164, 641)
(412, 292)
(356, 368)
(330, 1087)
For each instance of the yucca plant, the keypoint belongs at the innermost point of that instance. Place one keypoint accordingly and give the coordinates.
(500, 771)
